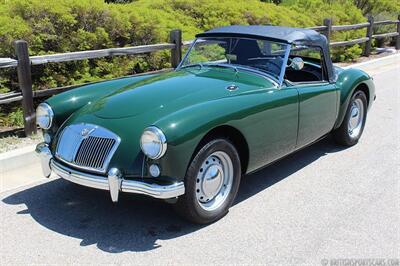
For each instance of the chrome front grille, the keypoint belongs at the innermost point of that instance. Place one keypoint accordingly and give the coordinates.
(87, 146)
(101, 147)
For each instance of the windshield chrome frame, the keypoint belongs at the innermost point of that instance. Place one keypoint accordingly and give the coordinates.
(284, 65)
(187, 54)
(278, 81)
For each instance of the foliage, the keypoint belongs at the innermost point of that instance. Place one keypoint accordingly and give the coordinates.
(272, 1)
(347, 54)
(72, 25)
(119, 1)
(375, 7)
(13, 119)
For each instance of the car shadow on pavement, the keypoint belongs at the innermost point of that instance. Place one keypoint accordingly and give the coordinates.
(135, 223)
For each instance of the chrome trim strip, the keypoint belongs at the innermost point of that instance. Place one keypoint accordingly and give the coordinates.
(186, 55)
(129, 186)
(284, 64)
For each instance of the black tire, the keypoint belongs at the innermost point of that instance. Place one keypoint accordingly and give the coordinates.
(342, 135)
(188, 205)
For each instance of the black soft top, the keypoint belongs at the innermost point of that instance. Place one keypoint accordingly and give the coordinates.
(281, 34)
(273, 33)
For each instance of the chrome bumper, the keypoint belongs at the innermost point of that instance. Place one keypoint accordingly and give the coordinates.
(114, 182)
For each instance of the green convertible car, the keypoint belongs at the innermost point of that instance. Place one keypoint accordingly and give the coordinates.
(242, 97)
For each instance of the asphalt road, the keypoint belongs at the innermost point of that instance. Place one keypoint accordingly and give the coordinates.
(319, 204)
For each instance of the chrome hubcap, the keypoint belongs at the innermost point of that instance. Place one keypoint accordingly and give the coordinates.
(214, 180)
(356, 118)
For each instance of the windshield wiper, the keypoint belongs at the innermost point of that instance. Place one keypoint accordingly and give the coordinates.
(193, 65)
(224, 66)
(269, 73)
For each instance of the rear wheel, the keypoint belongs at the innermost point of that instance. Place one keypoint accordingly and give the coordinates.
(352, 127)
(211, 183)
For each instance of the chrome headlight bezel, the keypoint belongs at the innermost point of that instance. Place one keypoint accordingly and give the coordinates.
(156, 136)
(44, 116)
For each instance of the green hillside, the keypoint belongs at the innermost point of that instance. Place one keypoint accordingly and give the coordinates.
(72, 25)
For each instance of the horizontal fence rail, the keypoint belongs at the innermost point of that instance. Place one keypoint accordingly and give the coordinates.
(385, 35)
(93, 54)
(318, 28)
(351, 27)
(8, 62)
(347, 43)
(23, 61)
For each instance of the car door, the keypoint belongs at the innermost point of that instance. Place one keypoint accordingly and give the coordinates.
(317, 111)
(318, 98)
(269, 120)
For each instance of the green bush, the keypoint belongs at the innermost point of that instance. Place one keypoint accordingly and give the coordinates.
(12, 117)
(72, 25)
(346, 54)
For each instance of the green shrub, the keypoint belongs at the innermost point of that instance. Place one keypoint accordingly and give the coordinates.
(346, 54)
(72, 25)
(13, 118)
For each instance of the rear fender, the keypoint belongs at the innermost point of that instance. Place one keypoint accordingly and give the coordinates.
(348, 81)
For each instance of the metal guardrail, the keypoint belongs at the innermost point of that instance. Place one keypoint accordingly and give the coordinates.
(24, 61)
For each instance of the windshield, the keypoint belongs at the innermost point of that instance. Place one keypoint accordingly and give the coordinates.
(257, 55)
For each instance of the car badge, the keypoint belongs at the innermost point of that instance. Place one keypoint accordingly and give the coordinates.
(86, 132)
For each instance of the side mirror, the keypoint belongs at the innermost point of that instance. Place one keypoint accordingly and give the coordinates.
(297, 63)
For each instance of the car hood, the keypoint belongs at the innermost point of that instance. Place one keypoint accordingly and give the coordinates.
(167, 92)
(129, 110)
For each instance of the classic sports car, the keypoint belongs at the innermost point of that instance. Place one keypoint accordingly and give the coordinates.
(242, 98)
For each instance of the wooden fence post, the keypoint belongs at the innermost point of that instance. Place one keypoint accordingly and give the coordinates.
(367, 48)
(327, 32)
(175, 37)
(398, 36)
(25, 85)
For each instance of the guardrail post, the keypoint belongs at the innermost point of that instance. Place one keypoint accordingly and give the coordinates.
(367, 47)
(398, 31)
(327, 32)
(25, 85)
(175, 37)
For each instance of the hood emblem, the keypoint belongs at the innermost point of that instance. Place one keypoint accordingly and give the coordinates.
(232, 87)
(86, 132)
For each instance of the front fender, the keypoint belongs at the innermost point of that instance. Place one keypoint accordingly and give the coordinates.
(247, 113)
(347, 82)
(185, 128)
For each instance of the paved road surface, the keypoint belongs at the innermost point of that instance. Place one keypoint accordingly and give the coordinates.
(323, 202)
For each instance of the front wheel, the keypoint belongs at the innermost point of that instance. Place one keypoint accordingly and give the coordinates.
(352, 127)
(211, 183)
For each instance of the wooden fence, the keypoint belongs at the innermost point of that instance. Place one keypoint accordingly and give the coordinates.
(23, 61)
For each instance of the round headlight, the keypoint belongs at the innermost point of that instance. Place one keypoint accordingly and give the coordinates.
(153, 143)
(44, 116)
